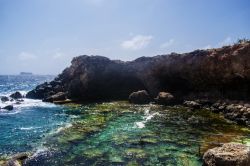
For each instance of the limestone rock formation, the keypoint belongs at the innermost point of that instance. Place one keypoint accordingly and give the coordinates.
(229, 154)
(213, 73)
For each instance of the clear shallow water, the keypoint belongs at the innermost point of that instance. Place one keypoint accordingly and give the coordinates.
(115, 133)
(123, 134)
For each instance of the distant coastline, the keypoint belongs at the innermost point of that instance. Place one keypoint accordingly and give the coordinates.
(26, 73)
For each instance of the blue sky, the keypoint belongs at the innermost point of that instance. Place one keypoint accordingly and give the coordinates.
(42, 36)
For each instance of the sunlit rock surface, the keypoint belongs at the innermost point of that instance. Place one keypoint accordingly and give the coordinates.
(228, 154)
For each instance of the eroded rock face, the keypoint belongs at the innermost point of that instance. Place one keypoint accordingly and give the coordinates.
(92, 78)
(214, 73)
(227, 155)
(139, 97)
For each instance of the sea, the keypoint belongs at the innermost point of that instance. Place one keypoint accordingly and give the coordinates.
(23, 128)
(108, 133)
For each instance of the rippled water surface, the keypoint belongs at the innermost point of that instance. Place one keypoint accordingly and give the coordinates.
(114, 133)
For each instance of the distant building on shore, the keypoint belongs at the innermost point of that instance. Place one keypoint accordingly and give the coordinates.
(25, 73)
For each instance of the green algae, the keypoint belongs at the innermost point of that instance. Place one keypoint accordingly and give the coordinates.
(135, 152)
(92, 153)
(106, 133)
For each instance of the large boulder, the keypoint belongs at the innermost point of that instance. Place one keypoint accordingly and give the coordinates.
(165, 98)
(16, 95)
(139, 97)
(230, 154)
(57, 97)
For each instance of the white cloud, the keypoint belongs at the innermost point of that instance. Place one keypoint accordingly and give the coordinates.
(137, 42)
(167, 44)
(26, 56)
(226, 41)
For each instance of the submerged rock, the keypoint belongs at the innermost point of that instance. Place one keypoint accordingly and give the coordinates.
(4, 99)
(229, 154)
(13, 163)
(135, 152)
(192, 104)
(139, 97)
(18, 159)
(16, 95)
(165, 98)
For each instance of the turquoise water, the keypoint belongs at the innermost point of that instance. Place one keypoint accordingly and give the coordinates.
(114, 133)
(119, 133)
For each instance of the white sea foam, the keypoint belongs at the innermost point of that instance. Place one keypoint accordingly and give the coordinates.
(29, 128)
(40, 151)
(24, 103)
(67, 125)
(146, 118)
(140, 124)
(34, 103)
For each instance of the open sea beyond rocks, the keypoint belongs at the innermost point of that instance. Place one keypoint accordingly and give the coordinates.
(110, 133)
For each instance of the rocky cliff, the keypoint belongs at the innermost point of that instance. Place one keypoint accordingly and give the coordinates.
(213, 73)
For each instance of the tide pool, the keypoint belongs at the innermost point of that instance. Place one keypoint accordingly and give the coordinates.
(112, 133)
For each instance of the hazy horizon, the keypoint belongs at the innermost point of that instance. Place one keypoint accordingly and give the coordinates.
(43, 36)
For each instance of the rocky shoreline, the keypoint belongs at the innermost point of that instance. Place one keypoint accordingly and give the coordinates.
(213, 79)
(237, 111)
(222, 73)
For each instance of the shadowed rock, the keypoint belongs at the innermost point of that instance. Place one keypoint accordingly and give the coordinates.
(139, 97)
(210, 74)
